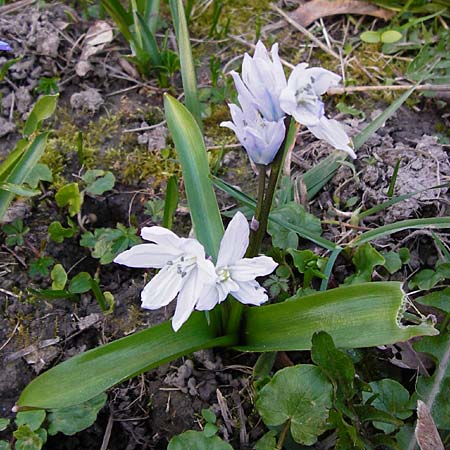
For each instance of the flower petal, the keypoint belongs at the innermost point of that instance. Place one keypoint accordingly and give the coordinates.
(322, 79)
(234, 241)
(160, 235)
(187, 298)
(249, 268)
(147, 256)
(250, 293)
(333, 132)
(162, 288)
(208, 299)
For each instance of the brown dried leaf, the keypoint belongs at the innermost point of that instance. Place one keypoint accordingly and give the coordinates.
(306, 14)
(426, 432)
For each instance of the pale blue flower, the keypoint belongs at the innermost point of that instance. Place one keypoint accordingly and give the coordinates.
(262, 81)
(261, 138)
(302, 99)
(4, 46)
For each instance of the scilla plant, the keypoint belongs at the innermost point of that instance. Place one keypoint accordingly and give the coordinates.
(213, 276)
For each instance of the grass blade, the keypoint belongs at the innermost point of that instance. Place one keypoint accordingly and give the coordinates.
(110, 364)
(362, 315)
(121, 17)
(22, 168)
(386, 230)
(191, 152)
(186, 60)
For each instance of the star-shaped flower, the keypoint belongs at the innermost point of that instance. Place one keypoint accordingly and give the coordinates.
(236, 274)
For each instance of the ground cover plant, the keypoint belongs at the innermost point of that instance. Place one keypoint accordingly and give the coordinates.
(218, 232)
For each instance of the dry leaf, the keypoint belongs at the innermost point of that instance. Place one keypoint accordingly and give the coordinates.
(309, 12)
(426, 432)
(95, 40)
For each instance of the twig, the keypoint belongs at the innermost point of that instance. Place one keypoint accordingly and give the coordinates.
(6, 9)
(107, 435)
(10, 337)
(398, 87)
(147, 128)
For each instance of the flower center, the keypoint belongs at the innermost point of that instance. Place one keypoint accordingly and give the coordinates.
(184, 264)
(305, 94)
(223, 274)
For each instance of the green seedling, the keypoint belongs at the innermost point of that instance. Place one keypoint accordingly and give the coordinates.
(15, 232)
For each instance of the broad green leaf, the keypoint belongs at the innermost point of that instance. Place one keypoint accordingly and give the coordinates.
(439, 299)
(267, 442)
(392, 261)
(3, 423)
(295, 215)
(43, 109)
(195, 440)
(366, 258)
(392, 398)
(336, 365)
(390, 36)
(171, 202)
(191, 152)
(100, 185)
(362, 315)
(301, 395)
(33, 419)
(371, 37)
(434, 390)
(21, 168)
(59, 277)
(186, 60)
(386, 230)
(110, 364)
(40, 172)
(80, 283)
(69, 195)
(26, 439)
(73, 419)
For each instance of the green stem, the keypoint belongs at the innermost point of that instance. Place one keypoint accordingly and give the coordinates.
(283, 435)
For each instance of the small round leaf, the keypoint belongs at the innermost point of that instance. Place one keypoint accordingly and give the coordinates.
(390, 36)
(371, 37)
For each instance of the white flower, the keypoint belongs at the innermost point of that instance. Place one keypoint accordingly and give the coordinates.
(302, 100)
(236, 274)
(184, 271)
(262, 81)
(260, 138)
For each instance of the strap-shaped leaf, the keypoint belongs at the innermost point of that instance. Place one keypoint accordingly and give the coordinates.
(86, 375)
(363, 315)
(191, 152)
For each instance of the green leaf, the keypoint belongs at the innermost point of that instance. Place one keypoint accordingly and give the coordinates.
(195, 440)
(21, 191)
(186, 61)
(98, 181)
(366, 258)
(58, 233)
(371, 37)
(386, 230)
(110, 364)
(170, 203)
(301, 395)
(80, 283)
(426, 279)
(368, 413)
(434, 390)
(336, 365)
(209, 416)
(392, 398)
(210, 430)
(69, 195)
(40, 172)
(437, 299)
(59, 277)
(264, 364)
(121, 17)
(26, 439)
(21, 168)
(361, 315)
(293, 214)
(40, 266)
(3, 423)
(73, 419)
(149, 45)
(4, 445)
(267, 442)
(392, 261)
(43, 109)
(191, 152)
(33, 419)
(390, 36)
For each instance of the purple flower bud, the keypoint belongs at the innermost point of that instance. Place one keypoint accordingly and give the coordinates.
(4, 46)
